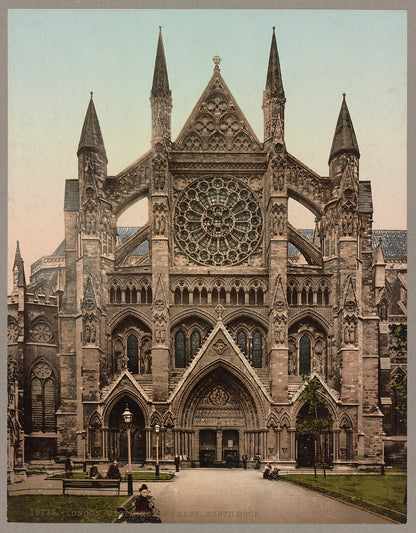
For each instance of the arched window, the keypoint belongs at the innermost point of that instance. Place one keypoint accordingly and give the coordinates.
(196, 295)
(310, 297)
(43, 398)
(303, 297)
(185, 296)
(233, 296)
(118, 295)
(294, 296)
(241, 296)
(222, 296)
(149, 295)
(195, 342)
(305, 355)
(112, 295)
(134, 296)
(177, 295)
(127, 295)
(180, 350)
(214, 295)
(242, 342)
(257, 350)
(319, 296)
(204, 296)
(132, 354)
(259, 296)
(143, 296)
(326, 296)
(251, 297)
(289, 296)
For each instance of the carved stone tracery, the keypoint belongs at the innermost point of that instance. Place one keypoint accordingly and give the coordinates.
(218, 221)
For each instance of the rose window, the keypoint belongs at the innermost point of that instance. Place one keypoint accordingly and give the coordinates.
(218, 221)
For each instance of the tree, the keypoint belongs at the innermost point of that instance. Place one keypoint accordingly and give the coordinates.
(398, 333)
(317, 420)
(399, 385)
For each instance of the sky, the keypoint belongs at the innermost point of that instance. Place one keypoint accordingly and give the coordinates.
(57, 57)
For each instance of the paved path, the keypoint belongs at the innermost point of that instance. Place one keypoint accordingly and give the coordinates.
(230, 497)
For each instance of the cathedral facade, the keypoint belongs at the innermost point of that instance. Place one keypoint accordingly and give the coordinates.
(201, 322)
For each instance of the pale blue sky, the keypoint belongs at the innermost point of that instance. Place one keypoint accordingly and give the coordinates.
(56, 57)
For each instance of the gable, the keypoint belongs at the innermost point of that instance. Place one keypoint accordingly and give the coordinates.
(219, 347)
(216, 123)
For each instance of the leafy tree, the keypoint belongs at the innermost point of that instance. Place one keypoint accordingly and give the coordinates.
(399, 385)
(317, 419)
(398, 333)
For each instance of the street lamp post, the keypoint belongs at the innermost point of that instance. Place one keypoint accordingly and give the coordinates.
(382, 454)
(128, 417)
(157, 430)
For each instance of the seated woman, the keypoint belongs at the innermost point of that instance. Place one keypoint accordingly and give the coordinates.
(94, 474)
(113, 471)
(145, 507)
(267, 471)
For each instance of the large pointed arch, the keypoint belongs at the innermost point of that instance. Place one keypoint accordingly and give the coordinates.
(185, 402)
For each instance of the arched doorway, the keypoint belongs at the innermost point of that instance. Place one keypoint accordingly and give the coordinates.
(313, 445)
(224, 419)
(117, 434)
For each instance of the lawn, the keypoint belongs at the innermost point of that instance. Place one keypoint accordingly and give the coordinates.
(385, 491)
(71, 509)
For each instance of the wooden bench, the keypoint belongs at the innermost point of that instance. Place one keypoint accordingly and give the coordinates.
(91, 484)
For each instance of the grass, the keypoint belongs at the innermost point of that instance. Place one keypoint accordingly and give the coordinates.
(385, 491)
(137, 476)
(70, 509)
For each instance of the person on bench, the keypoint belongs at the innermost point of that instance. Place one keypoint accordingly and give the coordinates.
(145, 506)
(113, 471)
(94, 474)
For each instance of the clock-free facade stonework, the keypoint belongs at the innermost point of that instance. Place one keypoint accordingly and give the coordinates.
(201, 321)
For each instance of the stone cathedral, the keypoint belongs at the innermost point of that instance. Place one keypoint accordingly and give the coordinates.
(203, 321)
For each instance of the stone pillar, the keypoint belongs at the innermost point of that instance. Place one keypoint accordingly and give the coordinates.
(219, 445)
(104, 452)
(277, 444)
(292, 441)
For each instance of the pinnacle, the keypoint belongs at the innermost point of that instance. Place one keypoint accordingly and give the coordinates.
(344, 138)
(274, 82)
(160, 85)
(91, 133)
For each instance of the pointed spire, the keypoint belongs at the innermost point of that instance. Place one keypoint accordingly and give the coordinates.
(160, 85)
(17, 256)
(344, 137)
(274, 83)
(91, 133)
(379, 253)
(19, 279)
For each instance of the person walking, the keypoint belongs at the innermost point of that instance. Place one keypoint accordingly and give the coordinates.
(177, 462)
(68, 466)
(257, 459)
(244, 458)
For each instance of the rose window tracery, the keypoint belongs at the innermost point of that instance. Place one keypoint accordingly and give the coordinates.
(218, 221)
(42, 332)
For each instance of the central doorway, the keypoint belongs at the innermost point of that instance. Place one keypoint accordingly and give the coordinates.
(218, 448)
